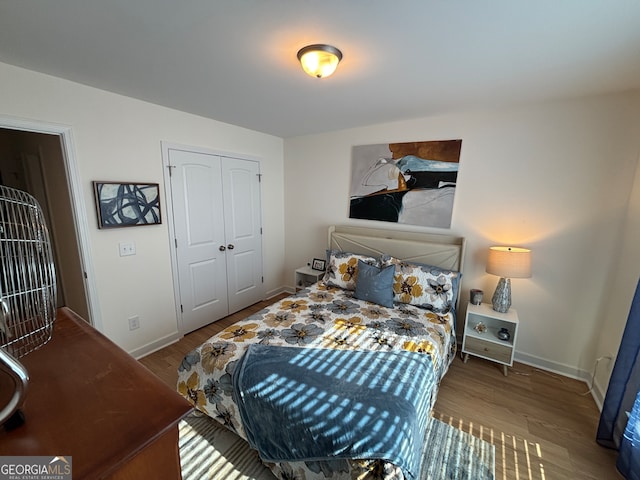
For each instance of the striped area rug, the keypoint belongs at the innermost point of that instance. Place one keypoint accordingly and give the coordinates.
(209, 451)
(452, 454)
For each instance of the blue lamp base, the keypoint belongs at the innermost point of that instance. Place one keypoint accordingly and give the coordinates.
(502, 296)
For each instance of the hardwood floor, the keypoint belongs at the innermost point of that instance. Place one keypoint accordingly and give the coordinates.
(542, 425)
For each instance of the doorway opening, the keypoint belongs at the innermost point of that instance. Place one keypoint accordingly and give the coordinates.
(36, 158)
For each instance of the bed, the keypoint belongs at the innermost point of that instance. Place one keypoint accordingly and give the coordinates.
(338, 379)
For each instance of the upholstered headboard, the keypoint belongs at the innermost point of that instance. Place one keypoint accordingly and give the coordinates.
(444, 251)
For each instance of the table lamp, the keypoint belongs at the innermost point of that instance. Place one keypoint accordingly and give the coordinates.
(507, 263)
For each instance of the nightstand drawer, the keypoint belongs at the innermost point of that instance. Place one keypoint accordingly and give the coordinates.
(500, 353)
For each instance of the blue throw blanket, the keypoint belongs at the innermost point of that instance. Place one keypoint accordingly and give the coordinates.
(302, 404)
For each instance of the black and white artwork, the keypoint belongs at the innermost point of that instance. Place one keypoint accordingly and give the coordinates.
(412, 183)
(127, 204)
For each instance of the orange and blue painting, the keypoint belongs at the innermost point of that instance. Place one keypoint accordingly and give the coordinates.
(412, 183)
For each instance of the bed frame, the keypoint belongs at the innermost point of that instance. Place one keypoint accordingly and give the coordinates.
(444, 251)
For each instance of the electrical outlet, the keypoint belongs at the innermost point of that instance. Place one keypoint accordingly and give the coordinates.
(134, 322)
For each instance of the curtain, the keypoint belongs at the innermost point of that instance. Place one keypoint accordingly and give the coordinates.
(619, 425)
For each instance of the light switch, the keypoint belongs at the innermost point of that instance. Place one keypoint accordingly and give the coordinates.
(127, 248)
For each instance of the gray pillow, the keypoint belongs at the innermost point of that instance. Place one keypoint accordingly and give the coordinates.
(375, 284)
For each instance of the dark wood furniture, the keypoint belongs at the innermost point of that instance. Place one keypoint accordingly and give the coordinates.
(90, 400)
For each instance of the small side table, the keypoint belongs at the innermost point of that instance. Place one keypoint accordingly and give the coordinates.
(305, 276)
(484, 342)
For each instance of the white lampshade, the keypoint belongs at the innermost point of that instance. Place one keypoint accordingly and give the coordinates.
(509, 262)
(319, 60)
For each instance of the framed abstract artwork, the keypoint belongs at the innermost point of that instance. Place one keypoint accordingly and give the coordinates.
(127, 204)
(412, 183)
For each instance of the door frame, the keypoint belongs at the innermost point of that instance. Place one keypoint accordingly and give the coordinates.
(78, 207)
(166, 146)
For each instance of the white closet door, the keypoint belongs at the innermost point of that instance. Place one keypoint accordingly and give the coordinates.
(196, 185)
(241, 189)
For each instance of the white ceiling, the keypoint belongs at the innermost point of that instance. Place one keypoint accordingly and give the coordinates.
(235, 60)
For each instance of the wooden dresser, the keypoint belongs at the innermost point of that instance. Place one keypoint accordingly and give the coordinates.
(90, 400)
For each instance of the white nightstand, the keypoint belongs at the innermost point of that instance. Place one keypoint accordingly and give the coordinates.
(305, 276)
(487, 344)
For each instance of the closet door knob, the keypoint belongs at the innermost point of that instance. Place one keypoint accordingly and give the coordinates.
(222, 248)
(230, 246)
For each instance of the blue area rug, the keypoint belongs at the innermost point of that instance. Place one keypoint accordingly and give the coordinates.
(210, 452)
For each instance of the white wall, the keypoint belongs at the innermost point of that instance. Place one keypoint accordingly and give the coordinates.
(118, 138)
(623, 281)
(553, 177)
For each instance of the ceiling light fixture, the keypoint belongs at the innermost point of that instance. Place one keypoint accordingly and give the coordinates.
(319, 60)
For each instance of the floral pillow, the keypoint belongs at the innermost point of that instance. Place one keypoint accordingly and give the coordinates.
(342, 268)
(424, 286)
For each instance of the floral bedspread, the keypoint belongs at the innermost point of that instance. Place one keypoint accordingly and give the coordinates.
(323, 317)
